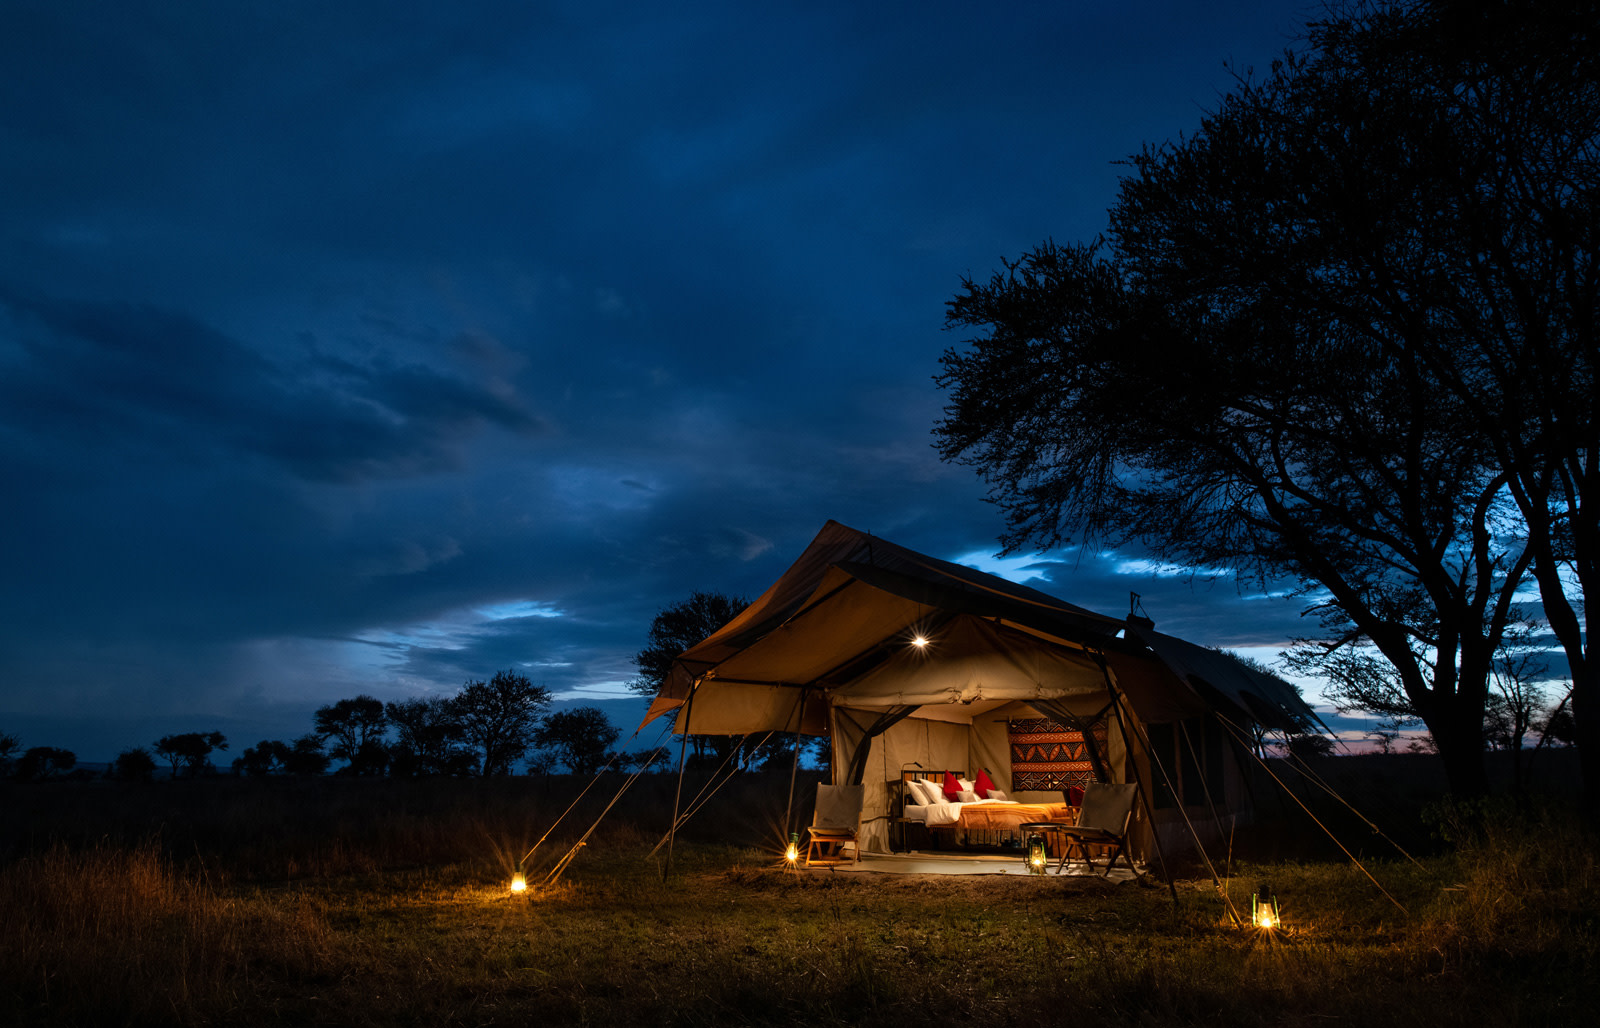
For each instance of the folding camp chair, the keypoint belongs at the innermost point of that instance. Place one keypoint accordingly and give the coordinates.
(1102, 821)
(837, 821)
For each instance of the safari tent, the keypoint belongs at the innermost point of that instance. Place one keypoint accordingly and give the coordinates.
(903, 660)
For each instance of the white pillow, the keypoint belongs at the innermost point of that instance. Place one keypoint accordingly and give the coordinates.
(968, 785)
(996, 794)
(967, 797)
(923, 793)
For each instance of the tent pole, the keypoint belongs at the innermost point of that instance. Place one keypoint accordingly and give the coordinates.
(794, 768)
(677, 796)
(713, 785)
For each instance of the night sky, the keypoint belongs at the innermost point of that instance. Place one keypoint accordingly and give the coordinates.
(375, 347)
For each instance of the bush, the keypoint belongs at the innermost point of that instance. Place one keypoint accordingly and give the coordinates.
(135, 765)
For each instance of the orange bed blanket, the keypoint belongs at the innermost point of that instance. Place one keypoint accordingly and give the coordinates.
(1002, 817)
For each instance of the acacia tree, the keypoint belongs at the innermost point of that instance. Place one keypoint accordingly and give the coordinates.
(42, 763)
(676, 628)
(581, 738)
(269, 756)
(306, 756)
(1248, 374)
(1447, 164)
(498, 718)
(429, 737)
(190, 752)
(357, 727)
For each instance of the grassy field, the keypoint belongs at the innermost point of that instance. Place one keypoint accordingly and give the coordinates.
(385, 903)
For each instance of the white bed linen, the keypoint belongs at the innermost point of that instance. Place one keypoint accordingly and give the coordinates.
(936, 814)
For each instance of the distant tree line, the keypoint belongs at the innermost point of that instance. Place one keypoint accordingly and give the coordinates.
(486, 729)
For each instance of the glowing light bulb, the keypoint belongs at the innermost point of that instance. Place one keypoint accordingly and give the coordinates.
(919, 642)
(792, 854)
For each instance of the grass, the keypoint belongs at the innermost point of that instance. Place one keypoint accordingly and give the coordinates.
(394, 920)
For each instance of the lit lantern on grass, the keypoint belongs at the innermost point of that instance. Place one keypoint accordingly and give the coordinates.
(1038, 859)
(519, 880)
(791, 856)
(1264, 912)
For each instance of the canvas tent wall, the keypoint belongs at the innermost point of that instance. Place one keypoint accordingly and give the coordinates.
(830, 649)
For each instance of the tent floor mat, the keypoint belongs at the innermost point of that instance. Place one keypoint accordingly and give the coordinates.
(943, 863)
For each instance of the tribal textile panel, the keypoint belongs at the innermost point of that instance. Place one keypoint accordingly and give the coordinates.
(1046, 755)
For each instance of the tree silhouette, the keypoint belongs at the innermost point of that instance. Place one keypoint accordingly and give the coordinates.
(356, 727)
(1436, 165)
(305, 756)
(581, 738)
(134, 765)
(1283, 358)
(676, 628)
(267, 757)
(430, 738)
(189, 753)
(42, 763)
(498, 718)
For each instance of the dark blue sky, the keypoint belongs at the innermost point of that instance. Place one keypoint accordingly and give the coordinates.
(375, 347)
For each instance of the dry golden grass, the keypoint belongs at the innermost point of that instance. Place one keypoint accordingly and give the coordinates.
(1502, 931)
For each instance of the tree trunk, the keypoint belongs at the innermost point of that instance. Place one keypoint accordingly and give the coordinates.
(1460, 743)
(1586, 729)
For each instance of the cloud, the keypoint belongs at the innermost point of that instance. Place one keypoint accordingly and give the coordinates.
(341, 343)
(122, 375)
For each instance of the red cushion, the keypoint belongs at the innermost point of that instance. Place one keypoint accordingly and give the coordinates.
(1074, 796)
(983, 785)
(952, 787)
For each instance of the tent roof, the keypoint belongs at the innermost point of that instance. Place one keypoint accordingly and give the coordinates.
(842, 618)
(911, 574)
(1266, 697)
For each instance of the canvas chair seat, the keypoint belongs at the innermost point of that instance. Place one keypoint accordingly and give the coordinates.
(837, 821)
(1102, 821)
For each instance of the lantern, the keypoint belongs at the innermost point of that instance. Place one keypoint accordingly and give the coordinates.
(519, 880)
(1038, 859)
(792, 855)
(1264, 912)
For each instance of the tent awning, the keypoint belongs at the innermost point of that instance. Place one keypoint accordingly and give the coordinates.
(839, 626)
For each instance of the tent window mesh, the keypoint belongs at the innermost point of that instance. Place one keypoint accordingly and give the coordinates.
(1047, 755)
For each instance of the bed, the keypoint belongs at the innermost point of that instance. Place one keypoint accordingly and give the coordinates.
(970, 821)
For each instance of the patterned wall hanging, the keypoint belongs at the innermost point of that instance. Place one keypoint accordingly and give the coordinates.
(1046, 755)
